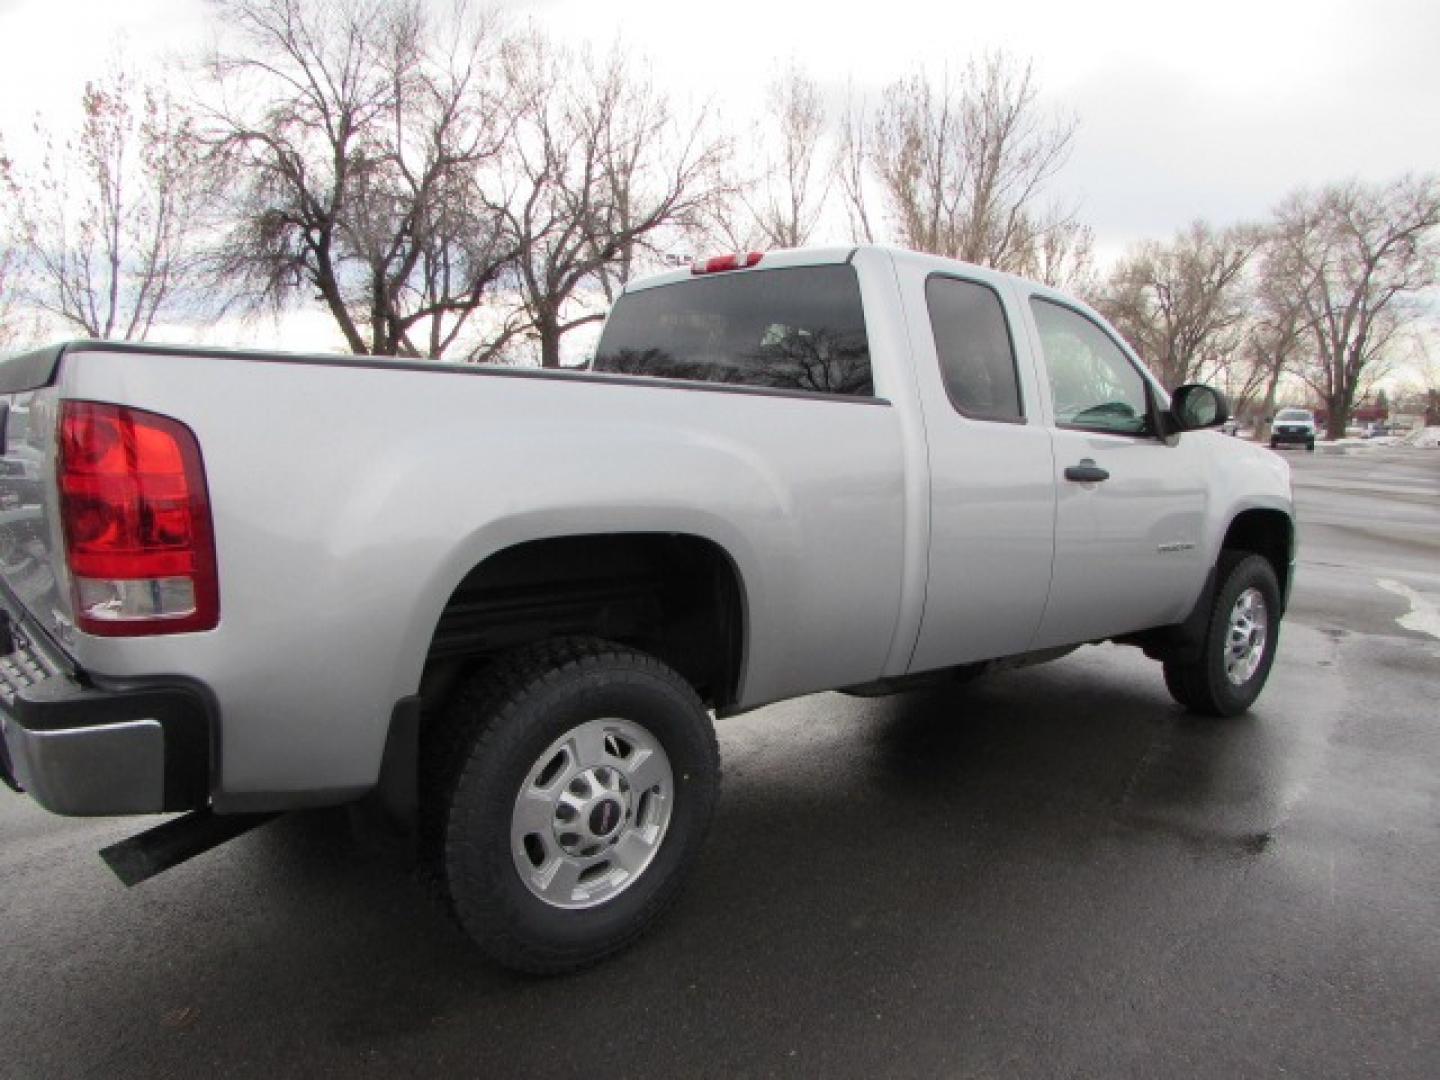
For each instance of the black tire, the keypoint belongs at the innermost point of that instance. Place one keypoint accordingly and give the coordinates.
(1310, 446)
(1273, 444)
(475, 762)
(1202, 685)
(966, 674)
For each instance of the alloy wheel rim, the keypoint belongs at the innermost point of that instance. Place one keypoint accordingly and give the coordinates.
(1246, 636)
(592, 813)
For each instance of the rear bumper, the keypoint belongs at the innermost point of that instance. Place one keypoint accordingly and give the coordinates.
(87, 752)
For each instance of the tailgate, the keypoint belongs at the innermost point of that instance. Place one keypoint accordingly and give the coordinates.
(31, 556)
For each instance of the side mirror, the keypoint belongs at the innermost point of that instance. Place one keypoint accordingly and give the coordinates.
(1196, 406)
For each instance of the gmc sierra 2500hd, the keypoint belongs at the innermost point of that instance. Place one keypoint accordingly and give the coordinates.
(509, 600)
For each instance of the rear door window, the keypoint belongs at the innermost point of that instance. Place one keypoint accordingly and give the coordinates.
(972, 341)
(800, 328)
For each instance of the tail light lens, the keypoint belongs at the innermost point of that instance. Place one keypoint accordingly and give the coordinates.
(136, 516)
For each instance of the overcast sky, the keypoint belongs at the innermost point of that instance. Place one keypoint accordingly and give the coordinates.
(1211, 110)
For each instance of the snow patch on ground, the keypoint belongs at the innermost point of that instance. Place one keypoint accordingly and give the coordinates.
(1423, 616)
(1428, 437)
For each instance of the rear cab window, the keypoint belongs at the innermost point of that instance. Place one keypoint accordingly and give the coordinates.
(794, 329)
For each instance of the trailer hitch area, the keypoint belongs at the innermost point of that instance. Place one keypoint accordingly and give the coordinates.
(176, 841)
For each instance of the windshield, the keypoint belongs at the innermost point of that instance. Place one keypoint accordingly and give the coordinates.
(1294, 414)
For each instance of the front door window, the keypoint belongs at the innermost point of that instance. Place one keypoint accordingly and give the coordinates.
(1093, 385)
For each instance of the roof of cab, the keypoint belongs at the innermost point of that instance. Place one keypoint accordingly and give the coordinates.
(783, 258)
(777, 259)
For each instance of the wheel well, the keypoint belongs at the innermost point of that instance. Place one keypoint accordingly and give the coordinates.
(1268, 533)
(676, 597)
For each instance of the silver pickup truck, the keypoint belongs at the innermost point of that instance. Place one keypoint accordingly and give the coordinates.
(505, 603)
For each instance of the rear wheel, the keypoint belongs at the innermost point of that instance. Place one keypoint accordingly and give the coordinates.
(1240, 639)
(568, 797)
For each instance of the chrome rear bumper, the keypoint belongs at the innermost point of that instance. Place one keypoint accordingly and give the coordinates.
(96, 751)
(90, 771)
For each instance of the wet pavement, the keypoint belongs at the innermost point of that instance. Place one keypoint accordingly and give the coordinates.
(1052, 872)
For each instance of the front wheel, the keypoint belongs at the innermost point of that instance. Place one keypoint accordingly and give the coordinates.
(1240, 639)
(574, 784)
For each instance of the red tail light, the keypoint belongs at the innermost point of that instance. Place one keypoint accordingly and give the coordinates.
(719, 264)
(137, 522)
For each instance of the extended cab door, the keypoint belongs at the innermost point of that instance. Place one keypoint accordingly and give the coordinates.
(992, 474)
(1130, 508)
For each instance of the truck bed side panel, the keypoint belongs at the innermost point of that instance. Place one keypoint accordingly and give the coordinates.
(350, 503)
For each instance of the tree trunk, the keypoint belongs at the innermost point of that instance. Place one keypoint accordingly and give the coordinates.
(324, 278)
(1267, 411)
(1339, 410)
(549, 330)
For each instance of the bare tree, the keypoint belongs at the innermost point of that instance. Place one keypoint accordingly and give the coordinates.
(360, 139)
(852, 167)
(1419, 392)
(601, 168)
(796, 181)
(1355, 258)
(9, 332)
(779, 204)
(1183, 303)
(1062, 257)
(9, 329)
(963, 164)
(1277, 334)
(106, 224)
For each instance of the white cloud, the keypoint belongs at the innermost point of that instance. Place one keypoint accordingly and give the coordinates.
(1213, 110)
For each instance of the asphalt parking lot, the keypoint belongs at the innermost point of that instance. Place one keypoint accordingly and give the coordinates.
(1053, 872)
